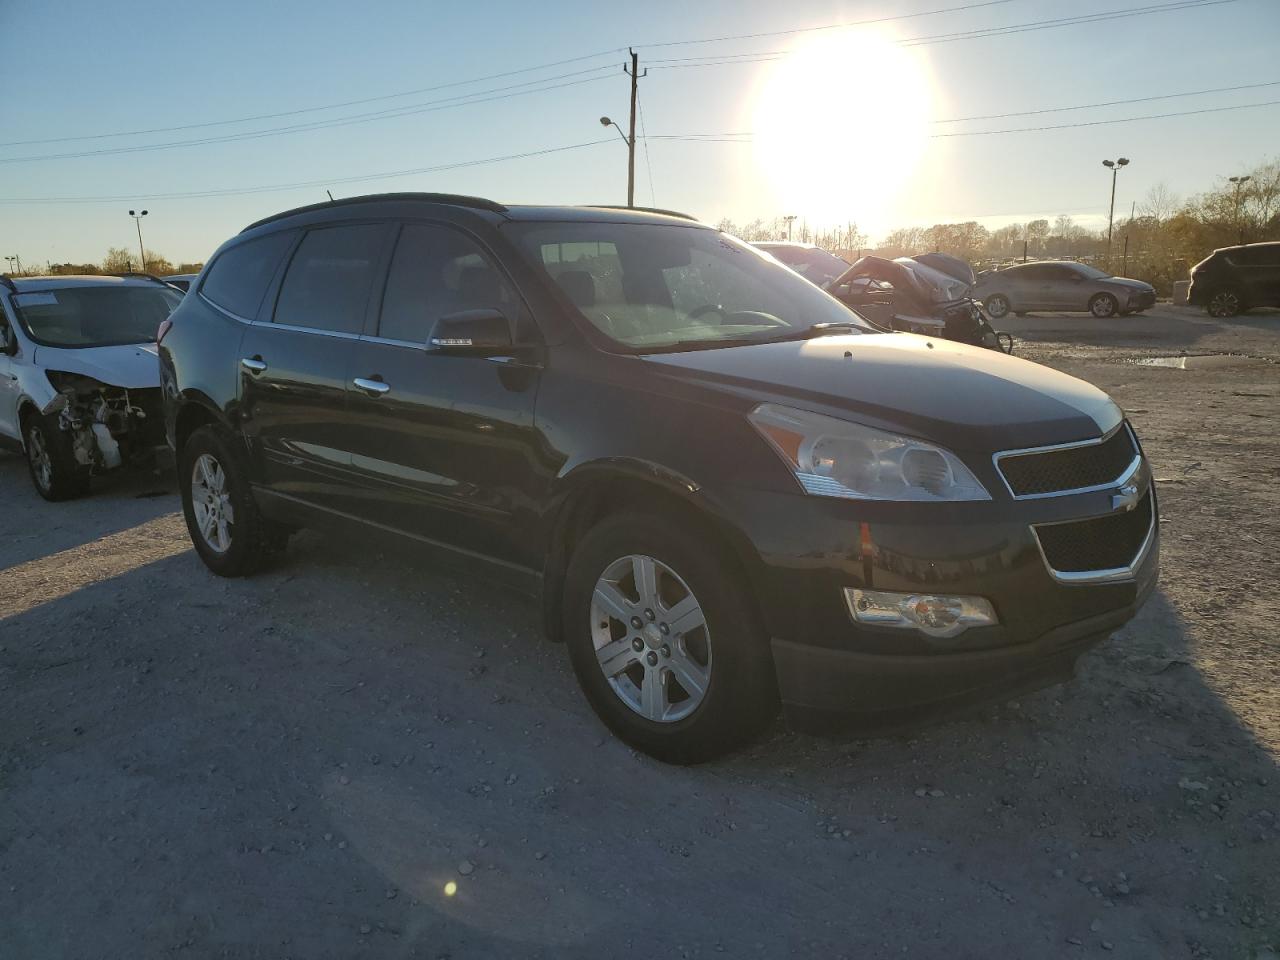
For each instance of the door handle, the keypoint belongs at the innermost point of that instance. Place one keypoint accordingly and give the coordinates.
(374, 388)
(254, 365)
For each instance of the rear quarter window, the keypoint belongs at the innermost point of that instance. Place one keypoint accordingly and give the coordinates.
(239, 278)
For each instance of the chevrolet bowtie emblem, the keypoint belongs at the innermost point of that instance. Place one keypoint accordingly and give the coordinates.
(1126, 498)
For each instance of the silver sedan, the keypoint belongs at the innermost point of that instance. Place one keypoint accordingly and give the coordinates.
(1061, 285)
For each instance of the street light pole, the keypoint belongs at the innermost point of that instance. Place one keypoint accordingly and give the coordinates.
(790, 219)
(1115, 166)
(1239, 182)
(142, 254)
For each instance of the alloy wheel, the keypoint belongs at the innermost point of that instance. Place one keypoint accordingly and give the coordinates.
(211, 503)
(41, 462)
(651, 638)
(1103, 306)
(1224, 304)
(997, 306)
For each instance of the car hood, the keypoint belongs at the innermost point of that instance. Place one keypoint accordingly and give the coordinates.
(1130, 284)
(132, 366)
(961, 396)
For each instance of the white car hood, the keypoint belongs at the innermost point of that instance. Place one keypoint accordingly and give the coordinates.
(132, 366)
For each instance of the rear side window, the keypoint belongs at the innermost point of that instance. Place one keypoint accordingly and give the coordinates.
(437, 271)
(328, 281)
(239, 278)
(1263, 255)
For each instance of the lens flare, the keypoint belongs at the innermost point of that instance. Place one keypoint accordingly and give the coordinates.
(841, 123)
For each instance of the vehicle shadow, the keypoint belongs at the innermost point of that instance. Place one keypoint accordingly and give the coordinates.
(31, 528)
(1165, 329)
(391, 757)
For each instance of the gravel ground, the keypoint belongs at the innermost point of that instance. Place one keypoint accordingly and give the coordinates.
(355, 754)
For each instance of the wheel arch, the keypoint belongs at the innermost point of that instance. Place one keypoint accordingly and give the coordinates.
(594, 491)
(193, 411)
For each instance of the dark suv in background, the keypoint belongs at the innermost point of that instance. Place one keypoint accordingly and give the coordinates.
(1231, 280)
(723, 484)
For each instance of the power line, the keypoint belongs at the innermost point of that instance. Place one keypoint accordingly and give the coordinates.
(465, 100)
(1099, 123)
(327, 106)
(271, 188)
(830, 26)
(648, 164)
(746, 136)
(1112, 103)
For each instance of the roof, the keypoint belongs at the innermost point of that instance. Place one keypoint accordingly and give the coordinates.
(794, 244)
(531, 212)
(1246, 246)
(33, 284)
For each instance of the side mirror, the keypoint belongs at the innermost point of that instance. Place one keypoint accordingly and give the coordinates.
(471, 332)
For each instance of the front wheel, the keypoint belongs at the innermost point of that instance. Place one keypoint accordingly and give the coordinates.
(1103, 305)
(230, 535)
(997, 306)
(52, 461)
(664, 642)
(1224, 303)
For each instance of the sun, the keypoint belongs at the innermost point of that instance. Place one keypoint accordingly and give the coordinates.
(841, 123)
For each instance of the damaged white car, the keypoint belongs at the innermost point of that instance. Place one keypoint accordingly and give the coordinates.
(79, 380)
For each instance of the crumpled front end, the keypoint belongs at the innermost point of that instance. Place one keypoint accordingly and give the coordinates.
(109, 426)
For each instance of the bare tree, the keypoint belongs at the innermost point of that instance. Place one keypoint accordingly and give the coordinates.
(1160, 203)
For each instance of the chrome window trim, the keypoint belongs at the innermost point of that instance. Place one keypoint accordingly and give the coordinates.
(336, 334)
(222, 310)
(1133, 466)
(1112, 575)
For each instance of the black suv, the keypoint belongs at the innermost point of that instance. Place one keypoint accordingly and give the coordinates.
(1231, 280)
(723, 484)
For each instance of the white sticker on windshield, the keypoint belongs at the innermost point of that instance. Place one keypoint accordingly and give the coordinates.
(36, 299)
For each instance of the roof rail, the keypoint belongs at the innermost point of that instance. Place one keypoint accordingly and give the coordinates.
(665, 213)
(453, 199)
(136, 275)
(4, 279)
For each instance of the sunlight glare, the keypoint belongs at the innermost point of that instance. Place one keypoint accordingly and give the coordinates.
(841, 123)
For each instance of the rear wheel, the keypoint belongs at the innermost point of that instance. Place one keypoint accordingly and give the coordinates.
(51, 460)
(664, 641)
(1103, 305)
(229, 533)
(997, 306)
(1224, 303)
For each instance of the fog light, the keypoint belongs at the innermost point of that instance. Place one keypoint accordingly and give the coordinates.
(938, 616)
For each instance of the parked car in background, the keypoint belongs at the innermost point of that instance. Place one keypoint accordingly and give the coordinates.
(1231, 280)
(816, 265)
(180, 280)
(1061, 285)
(79, 382)
(724, 485)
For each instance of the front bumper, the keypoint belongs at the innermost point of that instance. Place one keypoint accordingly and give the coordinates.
(833, 671)
(1143, 300)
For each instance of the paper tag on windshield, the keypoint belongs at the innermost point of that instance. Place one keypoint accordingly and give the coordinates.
(36, 299)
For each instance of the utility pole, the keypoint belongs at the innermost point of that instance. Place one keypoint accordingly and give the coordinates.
(635, 75)
(790, 219)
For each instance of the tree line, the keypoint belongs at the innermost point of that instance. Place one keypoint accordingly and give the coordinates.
(117, 260)
(1159, 243)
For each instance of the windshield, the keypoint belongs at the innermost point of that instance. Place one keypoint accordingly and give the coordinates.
(95, 316)
(653, 287)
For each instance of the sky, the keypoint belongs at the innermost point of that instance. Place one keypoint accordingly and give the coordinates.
(830, 125)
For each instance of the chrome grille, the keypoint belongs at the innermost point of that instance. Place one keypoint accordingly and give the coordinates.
(1071, 467)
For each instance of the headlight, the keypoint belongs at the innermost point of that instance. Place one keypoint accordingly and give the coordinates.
(838, 458)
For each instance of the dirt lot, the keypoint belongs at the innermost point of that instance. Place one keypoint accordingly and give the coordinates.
(296, 765)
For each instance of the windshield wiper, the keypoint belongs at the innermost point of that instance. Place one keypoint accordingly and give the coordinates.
(830, 328)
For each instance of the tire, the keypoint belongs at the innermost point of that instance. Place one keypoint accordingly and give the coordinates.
(226, 527)
(51, 461)
(727, 653)
(997, 306)
(1103, 305)
(1224, 303)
